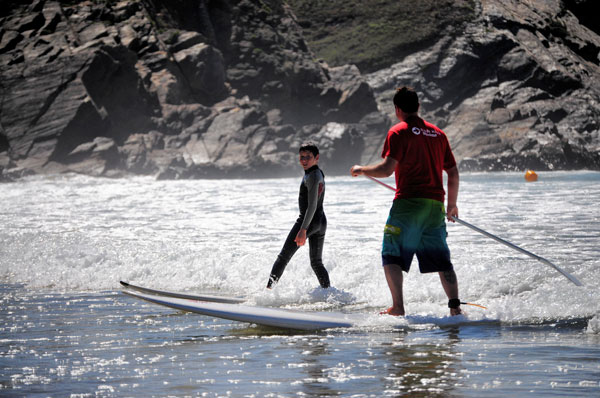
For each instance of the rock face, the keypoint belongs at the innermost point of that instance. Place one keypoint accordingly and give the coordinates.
(192, 89)
(520, 88)
(169, 88)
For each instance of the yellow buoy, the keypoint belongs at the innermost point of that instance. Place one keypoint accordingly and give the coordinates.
(531, 176)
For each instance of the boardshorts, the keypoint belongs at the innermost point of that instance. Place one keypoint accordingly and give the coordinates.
(416, 226)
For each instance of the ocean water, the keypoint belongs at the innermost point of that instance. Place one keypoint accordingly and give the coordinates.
(66, 330)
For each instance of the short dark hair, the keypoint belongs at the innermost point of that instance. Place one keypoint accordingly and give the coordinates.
(406, 99)
(310, 147)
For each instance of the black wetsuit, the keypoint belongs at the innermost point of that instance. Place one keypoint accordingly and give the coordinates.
(312, 218)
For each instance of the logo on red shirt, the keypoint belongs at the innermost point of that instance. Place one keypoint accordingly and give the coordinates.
(426, 132)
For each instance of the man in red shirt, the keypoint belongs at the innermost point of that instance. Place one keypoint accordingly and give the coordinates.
(417, 152)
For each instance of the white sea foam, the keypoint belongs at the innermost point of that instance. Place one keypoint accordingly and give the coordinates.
(593, 325)
(222, 236)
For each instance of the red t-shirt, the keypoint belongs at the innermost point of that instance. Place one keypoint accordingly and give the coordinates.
(423, 152)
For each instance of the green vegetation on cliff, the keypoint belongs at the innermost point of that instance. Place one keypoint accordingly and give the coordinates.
(374, 34)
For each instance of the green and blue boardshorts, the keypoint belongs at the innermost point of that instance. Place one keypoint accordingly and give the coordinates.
(417, 226)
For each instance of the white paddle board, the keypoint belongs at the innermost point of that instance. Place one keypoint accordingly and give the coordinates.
(204, 297)
(275, 317)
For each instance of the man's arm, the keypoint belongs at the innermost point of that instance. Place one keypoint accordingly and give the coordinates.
(453, 182)
(385, 168)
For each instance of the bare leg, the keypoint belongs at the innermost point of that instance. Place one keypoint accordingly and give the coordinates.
(394, 277)
(450, 285)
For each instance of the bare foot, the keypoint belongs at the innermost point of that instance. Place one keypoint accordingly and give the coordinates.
(455, 311)
(392, 311)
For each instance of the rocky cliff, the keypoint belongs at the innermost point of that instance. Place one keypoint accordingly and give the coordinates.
(518, 88)
(177, 89)
(190, 89)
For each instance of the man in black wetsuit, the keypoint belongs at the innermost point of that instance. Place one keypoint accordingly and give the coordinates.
(311, 223)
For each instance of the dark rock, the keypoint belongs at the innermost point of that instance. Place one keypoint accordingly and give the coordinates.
(125, 10)
(203, 69)
(353, 94)
(9, 41)
(129, 38)
(137, 152)
(31, 22)
(179, 41)
(46, 101)
(94, 158)
(37, 5)
(340, 147)
(92, 32)
(515, 91)
(51, 24)
(230, 89)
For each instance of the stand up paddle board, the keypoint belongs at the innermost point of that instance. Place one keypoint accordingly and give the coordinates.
(275, 317)
(209, 298)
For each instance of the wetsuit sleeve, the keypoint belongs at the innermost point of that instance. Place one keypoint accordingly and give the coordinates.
(312, 184)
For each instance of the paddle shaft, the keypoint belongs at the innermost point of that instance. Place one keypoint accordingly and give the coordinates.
(500, 240)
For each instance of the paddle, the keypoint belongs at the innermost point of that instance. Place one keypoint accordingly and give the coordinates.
(500, 240)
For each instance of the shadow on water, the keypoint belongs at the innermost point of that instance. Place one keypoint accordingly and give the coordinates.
(540, 324)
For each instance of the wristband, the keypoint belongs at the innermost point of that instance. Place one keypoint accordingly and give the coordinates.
(454, 303)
